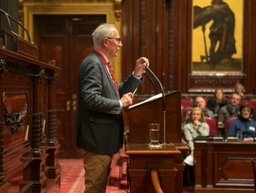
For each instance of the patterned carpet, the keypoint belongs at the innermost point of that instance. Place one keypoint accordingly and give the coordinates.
(72, 177)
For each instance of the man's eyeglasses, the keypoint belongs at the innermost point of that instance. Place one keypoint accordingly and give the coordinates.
(118, 40)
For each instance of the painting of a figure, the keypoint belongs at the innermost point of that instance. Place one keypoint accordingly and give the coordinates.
(217, 35)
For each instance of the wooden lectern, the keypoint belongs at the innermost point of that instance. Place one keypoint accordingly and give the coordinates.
(151, 111)
(167, 160)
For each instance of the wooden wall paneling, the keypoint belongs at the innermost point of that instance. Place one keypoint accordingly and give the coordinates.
(251, 22)
(176, 49)
(143, 34)
(163, 38)
(178, 32)
(127, 54)
(160, 48)
(164, 51)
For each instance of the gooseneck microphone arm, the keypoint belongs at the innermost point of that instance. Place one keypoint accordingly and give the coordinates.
(163, 97)
(9, 24)
(151, 82)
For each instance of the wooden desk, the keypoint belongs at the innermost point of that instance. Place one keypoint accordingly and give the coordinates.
(28, 145)
(224, 167)
(167, 161)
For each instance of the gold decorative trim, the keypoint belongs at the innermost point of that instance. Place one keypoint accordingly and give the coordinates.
(118, 9)
(32, 9)
(110, 8)
(69, 1)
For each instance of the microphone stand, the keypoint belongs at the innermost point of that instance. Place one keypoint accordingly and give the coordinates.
(163, 97)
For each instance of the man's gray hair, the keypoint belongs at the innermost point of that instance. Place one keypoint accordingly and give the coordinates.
(102, 31)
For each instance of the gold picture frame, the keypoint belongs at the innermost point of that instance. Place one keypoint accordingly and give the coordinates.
(217, 37)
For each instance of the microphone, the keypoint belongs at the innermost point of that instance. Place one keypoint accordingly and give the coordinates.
(8, 17)
(163, 97)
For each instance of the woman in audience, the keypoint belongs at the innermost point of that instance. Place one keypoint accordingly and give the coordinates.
(244, 123)
(239, 89)
(218, 101)
(196, 126)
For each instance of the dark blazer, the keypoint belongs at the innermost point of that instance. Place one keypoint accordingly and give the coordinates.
(211, 104)
(99, 125)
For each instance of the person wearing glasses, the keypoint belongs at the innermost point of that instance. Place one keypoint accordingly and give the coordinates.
(99, 126)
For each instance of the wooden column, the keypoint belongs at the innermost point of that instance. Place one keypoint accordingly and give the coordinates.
(38, 152)
(53, 169)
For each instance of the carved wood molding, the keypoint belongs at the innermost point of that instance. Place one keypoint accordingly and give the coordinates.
(118, 9)
(15, 120)
(3, 69)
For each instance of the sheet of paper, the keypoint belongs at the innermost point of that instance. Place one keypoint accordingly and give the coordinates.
(147, 100)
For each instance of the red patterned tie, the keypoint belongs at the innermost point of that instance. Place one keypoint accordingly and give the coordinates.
(108, 65)
(110, 69)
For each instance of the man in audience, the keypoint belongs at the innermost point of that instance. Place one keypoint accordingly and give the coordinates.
(230, 110)
(199, 102)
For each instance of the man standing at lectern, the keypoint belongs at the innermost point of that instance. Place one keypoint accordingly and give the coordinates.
(99, 124)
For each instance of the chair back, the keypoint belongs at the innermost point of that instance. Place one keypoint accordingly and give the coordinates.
(212, 126)
(185, 111)
(186, 102)
(254, 173)
(228, 124)
(253, 102)
(243, 101)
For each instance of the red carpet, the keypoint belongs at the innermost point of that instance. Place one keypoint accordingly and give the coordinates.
(72, 177)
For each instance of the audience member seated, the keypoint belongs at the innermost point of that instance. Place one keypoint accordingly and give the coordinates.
(239, 89)
(196, 126)
(218, 101)
(199, 102)
(244, 123)
(229, 110)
